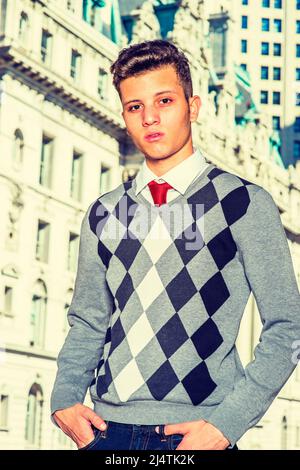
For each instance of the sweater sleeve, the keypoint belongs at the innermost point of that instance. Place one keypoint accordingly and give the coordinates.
(262, 243)
(88, 317)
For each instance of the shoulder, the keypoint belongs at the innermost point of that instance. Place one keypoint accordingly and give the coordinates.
(231, 186)
(112, 197)
(106, 204)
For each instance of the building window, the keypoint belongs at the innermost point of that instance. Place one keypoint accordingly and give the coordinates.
(298, 26)
(46, 162)
(243, 66)
(284, 430)
(297, 50)
(219, 43)
(277, 25)
(34, 416)
(46, 47)
(264, 72)
(265, 24)
(76, 176)
(73, 252)
(297, 74)
(244, 22)
(38, 315)
(75, 65)
(277, 3)
(265, 48)
(276, 73)
(244, 45)
(42, 242)
(276, 97)
(265, 3)
(297, 124)
(276, 123)
(18, 148)
(8, 296)
(297, 149)
(104, 179)
(102, 84)
(264, 97)
(23, 28)
(3, 411)
(277, 49)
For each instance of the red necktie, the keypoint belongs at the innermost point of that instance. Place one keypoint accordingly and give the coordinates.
(159, 192)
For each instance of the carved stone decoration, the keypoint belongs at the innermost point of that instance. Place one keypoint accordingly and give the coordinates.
(14, 212)
(212, 109)
(262, 135)
(146, 26)
(189, 24)
(10, 270)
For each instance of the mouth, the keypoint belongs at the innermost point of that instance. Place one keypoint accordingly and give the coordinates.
(154, 136)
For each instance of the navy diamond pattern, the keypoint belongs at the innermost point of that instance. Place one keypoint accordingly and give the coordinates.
(214, 293)
(207, 339)
(128, 249)
(124, 291)
(233, 211)
(172, 335)
(181, 289)
(163, 381)
(199, 384)
(222, 248)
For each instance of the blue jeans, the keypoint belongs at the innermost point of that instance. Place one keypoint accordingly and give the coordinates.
(120, 436)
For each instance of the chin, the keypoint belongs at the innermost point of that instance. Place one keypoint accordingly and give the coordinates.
(155, 153)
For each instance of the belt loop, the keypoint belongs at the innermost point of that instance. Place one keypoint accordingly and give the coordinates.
(104, 432)
(161, 432)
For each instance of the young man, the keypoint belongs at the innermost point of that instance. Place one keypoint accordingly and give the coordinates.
(157, 313)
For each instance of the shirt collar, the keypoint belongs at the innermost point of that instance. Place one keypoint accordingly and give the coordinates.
(179, 177)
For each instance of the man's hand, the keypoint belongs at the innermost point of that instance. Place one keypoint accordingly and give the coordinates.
(198, 435)
(76, 421)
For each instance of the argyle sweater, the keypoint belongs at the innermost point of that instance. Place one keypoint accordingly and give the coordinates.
(158, 300)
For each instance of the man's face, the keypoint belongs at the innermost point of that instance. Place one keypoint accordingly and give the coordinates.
(154, 102)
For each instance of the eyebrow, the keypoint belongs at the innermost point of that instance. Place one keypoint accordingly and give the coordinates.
(156, 94)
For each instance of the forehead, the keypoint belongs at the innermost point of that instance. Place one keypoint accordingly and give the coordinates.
(149, 83)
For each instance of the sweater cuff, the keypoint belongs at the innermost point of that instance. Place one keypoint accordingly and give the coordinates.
(231, 421)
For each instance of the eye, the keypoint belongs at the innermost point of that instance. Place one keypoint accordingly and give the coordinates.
(131, 107)
(166, 99)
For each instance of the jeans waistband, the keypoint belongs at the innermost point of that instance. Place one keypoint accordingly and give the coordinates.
(143, 428)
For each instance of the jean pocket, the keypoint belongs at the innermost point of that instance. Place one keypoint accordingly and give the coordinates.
(97, 434)
(175, 440)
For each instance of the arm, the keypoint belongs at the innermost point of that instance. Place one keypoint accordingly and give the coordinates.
(269, 269)
(88, 317)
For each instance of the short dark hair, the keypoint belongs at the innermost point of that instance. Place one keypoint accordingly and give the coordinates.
(151, 55)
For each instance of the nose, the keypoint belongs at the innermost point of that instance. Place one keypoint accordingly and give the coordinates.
(150, 116)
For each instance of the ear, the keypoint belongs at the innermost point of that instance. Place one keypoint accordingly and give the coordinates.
(195, 105)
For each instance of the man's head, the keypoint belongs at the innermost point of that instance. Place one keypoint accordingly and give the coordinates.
(154, 84)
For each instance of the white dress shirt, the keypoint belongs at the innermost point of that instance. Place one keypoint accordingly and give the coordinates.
(180, 177)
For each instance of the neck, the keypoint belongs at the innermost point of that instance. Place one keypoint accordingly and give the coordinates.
(162, 165)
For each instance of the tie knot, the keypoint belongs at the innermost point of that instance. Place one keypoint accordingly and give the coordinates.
(159, 191)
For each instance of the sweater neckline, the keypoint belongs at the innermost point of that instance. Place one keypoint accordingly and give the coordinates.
(201, 178)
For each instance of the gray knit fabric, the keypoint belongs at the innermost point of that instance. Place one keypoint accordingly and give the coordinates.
(158, 300)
